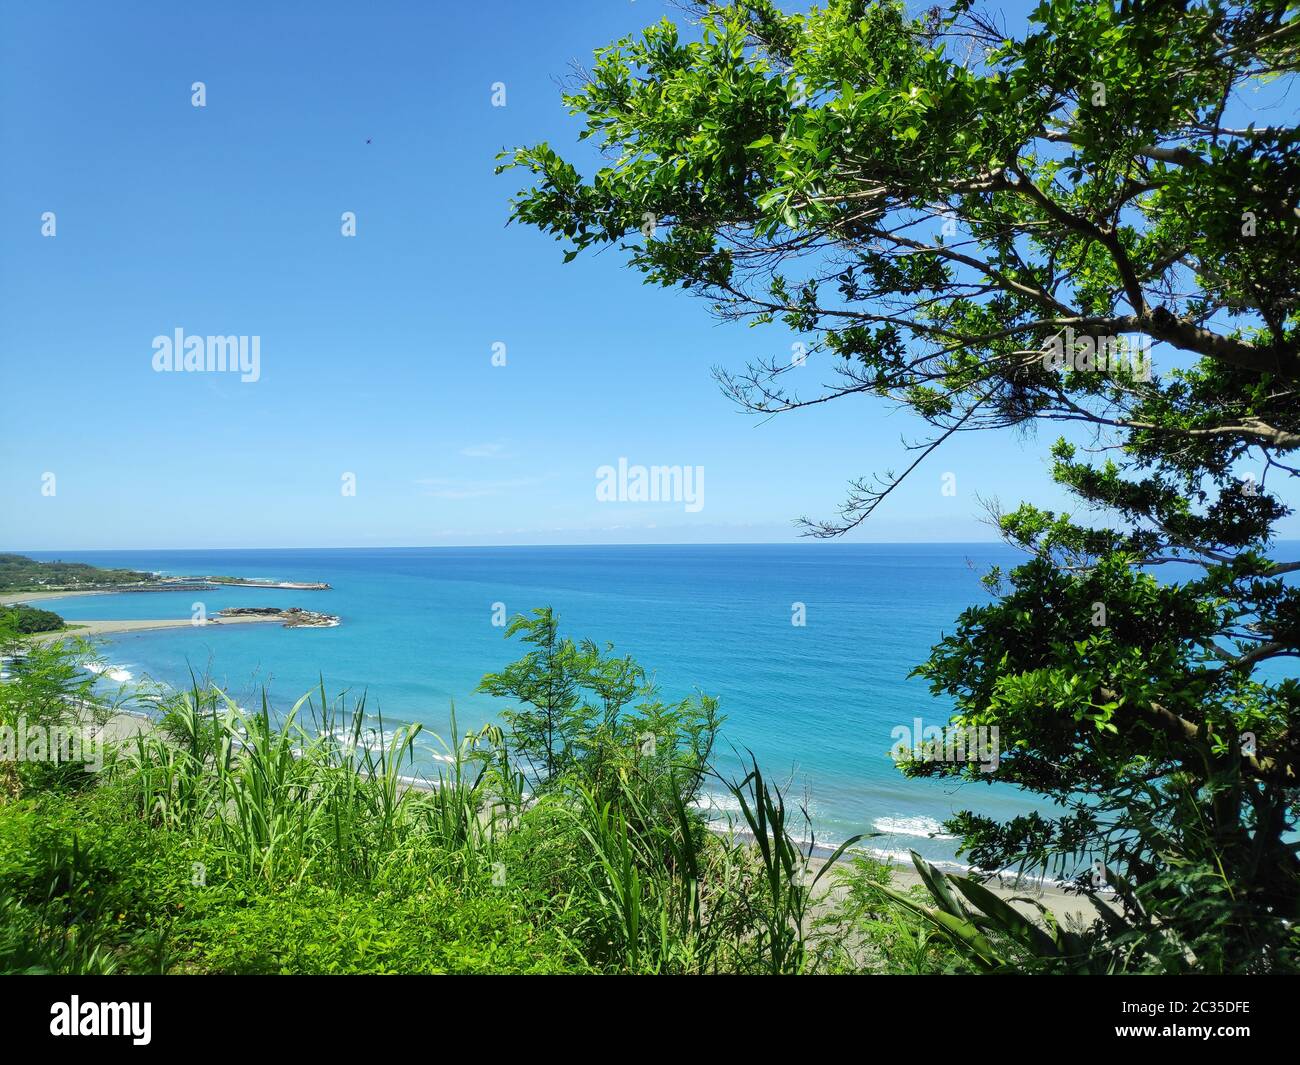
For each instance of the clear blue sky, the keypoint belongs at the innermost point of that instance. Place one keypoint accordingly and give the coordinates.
(375, 351)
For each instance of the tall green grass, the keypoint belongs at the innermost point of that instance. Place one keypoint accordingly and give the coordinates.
(644, 885)
(610, 854)
(281, 798)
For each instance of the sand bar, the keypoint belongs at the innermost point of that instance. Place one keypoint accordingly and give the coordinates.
(10, 598)
(83, 628)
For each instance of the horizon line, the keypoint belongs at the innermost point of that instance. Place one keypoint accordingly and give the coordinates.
(488, 547)
(457, 547)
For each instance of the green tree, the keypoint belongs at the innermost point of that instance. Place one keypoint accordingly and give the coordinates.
(544, 684)
(43, 687)
(968, 224)
(24, 620)
(582, 711)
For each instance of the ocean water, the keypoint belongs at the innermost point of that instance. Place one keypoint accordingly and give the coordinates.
(816, 703)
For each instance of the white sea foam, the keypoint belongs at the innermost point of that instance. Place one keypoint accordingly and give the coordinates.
(717, 806)
(904, 858)
(370, 739)
(114, 673)
(919, 827)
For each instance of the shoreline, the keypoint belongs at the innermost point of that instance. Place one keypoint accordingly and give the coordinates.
(200, 584)
(88, 628)
(292, 617)
(254, 582)
(14, 598)
(1022, 890)
(1022, 893)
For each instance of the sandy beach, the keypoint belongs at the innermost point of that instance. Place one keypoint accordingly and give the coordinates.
(87, 629)
(105, 627)
(1073, 909)
(10, 598)
(1070, 907)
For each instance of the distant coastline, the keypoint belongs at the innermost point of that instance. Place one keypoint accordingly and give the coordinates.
(293, 618)
(172, 584)
(28, 581)
(22, 574)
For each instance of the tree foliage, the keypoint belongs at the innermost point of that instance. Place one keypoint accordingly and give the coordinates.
(20, 573)
(578, 707)
(25, 620)
(968, 223)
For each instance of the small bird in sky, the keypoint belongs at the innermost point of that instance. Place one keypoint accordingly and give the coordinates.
(367, 140)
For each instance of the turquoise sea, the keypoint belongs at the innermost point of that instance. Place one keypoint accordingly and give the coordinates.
(816, 704)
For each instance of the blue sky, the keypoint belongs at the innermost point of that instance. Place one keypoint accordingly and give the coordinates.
(375, 350)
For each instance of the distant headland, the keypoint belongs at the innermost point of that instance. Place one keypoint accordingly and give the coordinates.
(18, 573)
(24, 580)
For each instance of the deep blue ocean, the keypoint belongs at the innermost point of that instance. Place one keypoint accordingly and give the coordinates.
(816, 704)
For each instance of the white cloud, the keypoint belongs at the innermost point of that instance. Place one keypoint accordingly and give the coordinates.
(485, 451)
(468, 488)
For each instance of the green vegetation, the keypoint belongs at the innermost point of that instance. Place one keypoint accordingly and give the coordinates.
(25, 620)
(227, 841)
(18, 573)
(237, 842)
(966, 225)
(958, 223)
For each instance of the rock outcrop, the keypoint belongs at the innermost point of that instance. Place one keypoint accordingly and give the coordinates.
(294, 617)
